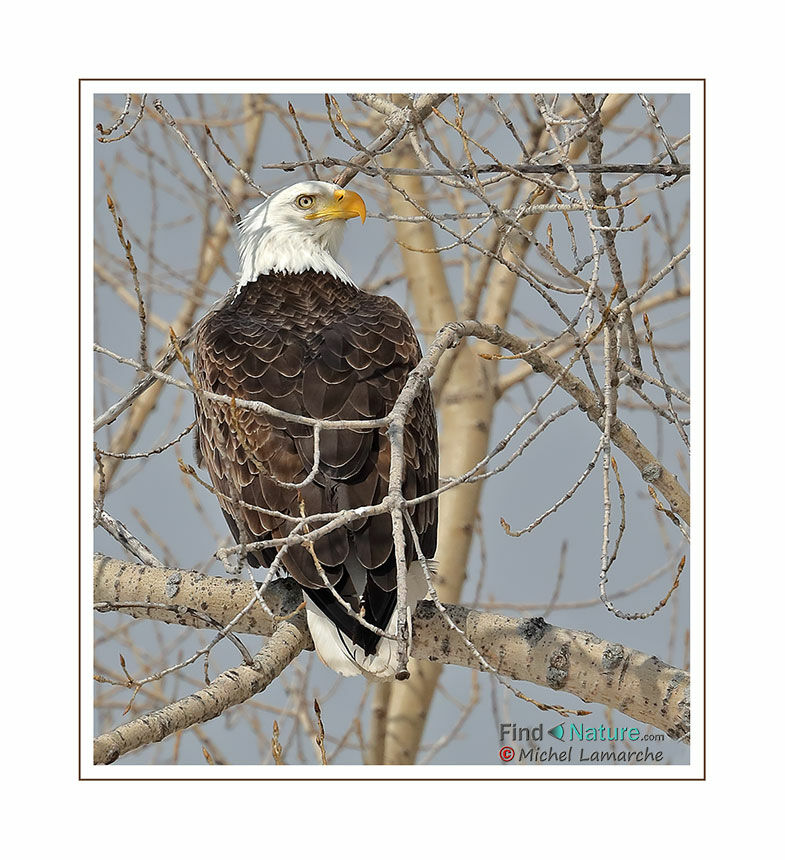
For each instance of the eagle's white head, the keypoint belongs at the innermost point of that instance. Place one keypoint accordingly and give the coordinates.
(296, 229)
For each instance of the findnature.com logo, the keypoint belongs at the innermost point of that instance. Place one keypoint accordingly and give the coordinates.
(573, 736)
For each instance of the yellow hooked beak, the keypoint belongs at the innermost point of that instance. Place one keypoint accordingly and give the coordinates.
(345, 205)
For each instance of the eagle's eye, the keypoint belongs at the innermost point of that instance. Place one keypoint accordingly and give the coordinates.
(305, 201)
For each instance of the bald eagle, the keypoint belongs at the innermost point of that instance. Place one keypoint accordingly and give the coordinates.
(297, 334)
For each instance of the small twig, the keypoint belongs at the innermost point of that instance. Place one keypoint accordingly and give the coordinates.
(668, 513)
(121, 120)
(320, 732)
(276, 744)
(144, 454)
(304, 142)
(658, 125)
(666, 388)
(126, 244)
(244, 173)
(204, 166)
(124, 537)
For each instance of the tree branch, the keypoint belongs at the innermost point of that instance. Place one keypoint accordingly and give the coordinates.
(571, 661)
(622, 435)
(232, 687)
(288, 636)
(396, 123)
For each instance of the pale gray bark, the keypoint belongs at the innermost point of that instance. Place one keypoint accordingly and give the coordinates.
(571, 661)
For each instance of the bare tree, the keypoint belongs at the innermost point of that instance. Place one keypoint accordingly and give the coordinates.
(540, 244)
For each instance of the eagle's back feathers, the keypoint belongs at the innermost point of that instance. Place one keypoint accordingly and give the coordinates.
(312, 345)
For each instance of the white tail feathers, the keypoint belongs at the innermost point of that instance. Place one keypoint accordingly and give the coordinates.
(337, 651)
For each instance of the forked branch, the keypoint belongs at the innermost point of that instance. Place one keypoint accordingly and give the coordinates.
(570, 661)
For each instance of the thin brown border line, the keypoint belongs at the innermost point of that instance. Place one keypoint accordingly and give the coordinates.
(704, 427)
(387, 80)
(79, 435)
(500, 778)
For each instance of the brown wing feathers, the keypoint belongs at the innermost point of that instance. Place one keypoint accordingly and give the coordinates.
(311, 345)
